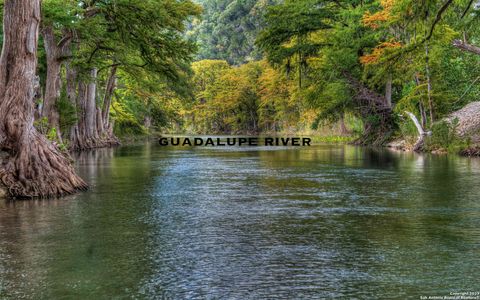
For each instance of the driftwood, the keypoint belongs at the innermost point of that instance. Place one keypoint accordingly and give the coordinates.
(421, 132)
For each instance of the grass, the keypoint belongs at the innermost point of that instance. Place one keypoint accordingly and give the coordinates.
(334, 139)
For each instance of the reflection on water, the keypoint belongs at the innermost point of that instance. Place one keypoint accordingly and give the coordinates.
(249, 223)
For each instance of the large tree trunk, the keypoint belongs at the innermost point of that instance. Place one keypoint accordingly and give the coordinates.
(93, 129)
(53, 81)
(55, 54)
(34, 166)
(77, 135)
(71, 87)
(107, 100)
(91, 106)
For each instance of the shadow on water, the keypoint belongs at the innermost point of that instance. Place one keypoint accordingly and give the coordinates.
(248, 223)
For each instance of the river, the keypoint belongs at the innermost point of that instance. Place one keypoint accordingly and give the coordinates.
(327, 221)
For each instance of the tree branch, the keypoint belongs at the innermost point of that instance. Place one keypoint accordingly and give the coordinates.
(439, 17)
(467, 9)
(464, 46)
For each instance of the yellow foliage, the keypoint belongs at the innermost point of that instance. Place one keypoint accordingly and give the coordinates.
(378, 52)
(374, 20)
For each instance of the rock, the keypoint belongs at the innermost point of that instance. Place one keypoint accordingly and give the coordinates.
(399, 144)
(468, 121)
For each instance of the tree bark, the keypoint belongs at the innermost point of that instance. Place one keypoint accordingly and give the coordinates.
(55, 53)
(93, 130)
(72, 90)
(429, 84)
(34, 166)
(388, 91)
(78, 138)
(107, 100)
(91, 106)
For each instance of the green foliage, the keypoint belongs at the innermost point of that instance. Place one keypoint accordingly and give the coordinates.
(335, 139)
(228, 29)
(41, 125)
(408, 132)
(144, 39)
(444, 138)
(67, 112)
(126, 123)
(52, 135)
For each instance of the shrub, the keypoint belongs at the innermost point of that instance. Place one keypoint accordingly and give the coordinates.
(444, 138)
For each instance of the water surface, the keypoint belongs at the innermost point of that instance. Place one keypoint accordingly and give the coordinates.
(249, 223)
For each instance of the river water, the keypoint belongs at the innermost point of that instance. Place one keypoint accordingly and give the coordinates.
(249, 223)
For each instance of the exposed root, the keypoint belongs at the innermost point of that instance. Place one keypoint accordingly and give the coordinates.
(39, 169)
(475, 151)
(107, 141)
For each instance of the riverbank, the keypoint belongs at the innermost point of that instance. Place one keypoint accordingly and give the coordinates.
(457, 133)
(399, 144)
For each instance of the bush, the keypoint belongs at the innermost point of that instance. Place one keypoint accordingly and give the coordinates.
(444, 138)
(409, 132)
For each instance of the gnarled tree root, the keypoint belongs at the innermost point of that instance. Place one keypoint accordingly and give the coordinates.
(107, 141)
(39, 169)
(474, 151)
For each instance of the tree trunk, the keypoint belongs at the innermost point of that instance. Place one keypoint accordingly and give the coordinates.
(78, 139)
(55, 53)
(105, 127)
(423, 114)
(99, 122)
(92, 130)
(71, 86)
(53, 81)
(429, 84)
(388, 90)
(91, 106)
(34, 166)
(343, 127)
(107, 100)
(147, 122)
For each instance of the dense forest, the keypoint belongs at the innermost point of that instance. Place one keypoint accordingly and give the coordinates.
(76, 75)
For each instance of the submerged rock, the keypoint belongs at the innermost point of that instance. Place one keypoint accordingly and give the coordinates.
(399, 144)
